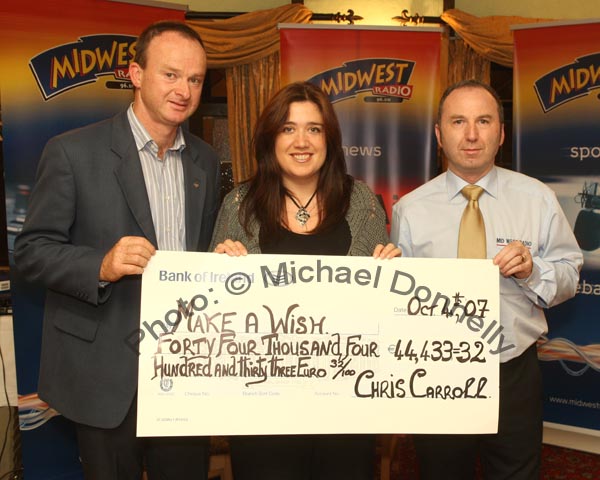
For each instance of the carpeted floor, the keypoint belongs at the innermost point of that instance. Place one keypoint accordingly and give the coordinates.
(557, 463)
(565, 464)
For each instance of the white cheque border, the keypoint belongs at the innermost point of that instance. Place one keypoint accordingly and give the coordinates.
(339, 345)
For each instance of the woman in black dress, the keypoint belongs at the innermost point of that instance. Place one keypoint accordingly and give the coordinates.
(302, 201)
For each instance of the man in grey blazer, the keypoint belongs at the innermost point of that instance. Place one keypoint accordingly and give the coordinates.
(106, 197)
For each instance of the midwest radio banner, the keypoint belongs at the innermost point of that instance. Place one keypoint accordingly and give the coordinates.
(62, 65)
(384, 84)
(557, 119)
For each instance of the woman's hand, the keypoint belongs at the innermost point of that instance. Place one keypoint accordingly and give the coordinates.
(387, 251)
(231, 248)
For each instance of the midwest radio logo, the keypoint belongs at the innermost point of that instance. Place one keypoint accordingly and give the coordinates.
(72, 65)
(569, 82)
(387, 79)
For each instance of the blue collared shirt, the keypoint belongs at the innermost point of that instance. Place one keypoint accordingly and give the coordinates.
(425, 223)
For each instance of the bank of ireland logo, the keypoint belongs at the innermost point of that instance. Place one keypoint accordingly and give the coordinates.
(569, 82)
(84, 61)
(166, 384)
(387, 79)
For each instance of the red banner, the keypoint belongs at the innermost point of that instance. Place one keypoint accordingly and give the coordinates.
(557, 115)
(384, 84)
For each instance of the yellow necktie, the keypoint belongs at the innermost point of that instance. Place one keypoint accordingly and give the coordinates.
(471, 236)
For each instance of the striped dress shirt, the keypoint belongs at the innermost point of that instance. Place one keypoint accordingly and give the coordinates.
(164, 183)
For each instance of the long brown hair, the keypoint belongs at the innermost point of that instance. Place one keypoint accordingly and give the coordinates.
(265, 200)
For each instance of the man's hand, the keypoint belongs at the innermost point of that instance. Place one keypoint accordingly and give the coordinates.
(514, 259)
(129, 256)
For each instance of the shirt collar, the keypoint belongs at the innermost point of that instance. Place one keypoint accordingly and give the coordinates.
(489, 183)
(142, 137)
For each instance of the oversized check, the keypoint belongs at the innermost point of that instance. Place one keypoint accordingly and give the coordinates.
(270, 344)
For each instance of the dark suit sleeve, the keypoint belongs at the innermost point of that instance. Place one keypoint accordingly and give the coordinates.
(44, 250)
(213, 206)
(203, 192)
(89, 193)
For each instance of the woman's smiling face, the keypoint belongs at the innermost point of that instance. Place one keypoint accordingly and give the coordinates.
(300, 146)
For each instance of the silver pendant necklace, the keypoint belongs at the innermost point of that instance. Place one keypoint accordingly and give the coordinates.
(302, 214)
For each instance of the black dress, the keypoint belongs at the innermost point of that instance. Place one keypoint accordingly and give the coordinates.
(305, 457)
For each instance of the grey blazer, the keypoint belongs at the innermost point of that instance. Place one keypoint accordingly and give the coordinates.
(89, 193)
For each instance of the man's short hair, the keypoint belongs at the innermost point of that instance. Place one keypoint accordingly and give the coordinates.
(472, 83)
(158, 28)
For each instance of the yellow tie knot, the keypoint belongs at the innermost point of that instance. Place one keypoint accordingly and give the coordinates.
(472, 192)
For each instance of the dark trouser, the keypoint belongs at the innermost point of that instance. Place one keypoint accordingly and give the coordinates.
(513, 453)
(117, 454)
(303, 457)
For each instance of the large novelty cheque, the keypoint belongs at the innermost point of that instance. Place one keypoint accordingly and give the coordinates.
(274, 344)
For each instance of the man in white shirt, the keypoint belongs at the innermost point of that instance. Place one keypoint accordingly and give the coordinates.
(530, 240)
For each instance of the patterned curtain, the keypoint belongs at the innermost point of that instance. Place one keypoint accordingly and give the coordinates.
(465, 63)
(490, 37)
(249, 87)
(247, 46)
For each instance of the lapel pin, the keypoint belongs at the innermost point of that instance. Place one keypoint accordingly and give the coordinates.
(196, 184)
